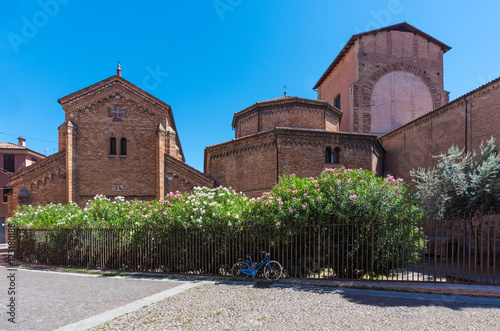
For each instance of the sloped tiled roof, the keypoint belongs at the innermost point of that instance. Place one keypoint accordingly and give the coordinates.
(12, 146)
(404, 27)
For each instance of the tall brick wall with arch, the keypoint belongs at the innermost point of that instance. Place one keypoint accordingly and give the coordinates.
(369, 56)
(465, 122)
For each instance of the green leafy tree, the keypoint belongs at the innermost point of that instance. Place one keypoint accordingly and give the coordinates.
(461, 184)
(464, 186)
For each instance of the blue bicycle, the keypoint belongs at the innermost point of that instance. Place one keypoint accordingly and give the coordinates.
(244, 268)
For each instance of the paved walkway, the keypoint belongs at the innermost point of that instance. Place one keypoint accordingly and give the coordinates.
(243, 306)
(49, 300)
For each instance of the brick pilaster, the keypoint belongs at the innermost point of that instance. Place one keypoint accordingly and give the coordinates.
(160, 162)
(70, 162)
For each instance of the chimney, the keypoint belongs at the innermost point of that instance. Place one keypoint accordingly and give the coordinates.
(21, 142)
(119, 70)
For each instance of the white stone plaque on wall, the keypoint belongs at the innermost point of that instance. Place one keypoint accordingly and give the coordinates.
(118, 187)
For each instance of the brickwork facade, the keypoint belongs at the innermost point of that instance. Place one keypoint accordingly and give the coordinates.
(287, 135)
(117, 140)
(286, 112)
(372, 58)
(465, 122)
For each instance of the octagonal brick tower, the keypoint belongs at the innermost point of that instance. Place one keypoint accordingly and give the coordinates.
(287, 135)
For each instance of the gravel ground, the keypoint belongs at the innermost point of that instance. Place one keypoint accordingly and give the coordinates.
(242, 306)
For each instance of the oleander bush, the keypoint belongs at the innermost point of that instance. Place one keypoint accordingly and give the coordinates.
(376, 220)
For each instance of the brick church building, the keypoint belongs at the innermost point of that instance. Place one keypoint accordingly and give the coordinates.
(381, 105)
(116, 140)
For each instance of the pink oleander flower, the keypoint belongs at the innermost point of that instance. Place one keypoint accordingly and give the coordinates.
(164, 213)
(131, 212)
(304, 206)
(291, 210)
(338, 181)
(319, 198)
(277, 223)
(353, 197)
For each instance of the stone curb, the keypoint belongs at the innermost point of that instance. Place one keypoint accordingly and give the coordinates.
(471, 290)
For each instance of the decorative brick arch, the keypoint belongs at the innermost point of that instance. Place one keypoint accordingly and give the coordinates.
(418, 72)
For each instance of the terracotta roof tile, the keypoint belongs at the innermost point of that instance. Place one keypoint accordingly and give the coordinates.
(11, 146)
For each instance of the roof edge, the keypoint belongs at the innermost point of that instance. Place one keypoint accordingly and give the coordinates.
(284, 100)
(395, 27)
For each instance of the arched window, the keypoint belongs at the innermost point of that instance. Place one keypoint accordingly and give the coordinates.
(336, 101)
(112, 146)
(123, 146)
(24, 197)
(328, 155)
(336, 155)
(332, 156)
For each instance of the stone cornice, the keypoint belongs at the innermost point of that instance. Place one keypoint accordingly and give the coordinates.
(291, 136)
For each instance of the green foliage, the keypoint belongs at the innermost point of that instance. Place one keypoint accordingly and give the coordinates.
(461, 183)
(202, 207)
(376, 217)
(371, 222)
(337, 196)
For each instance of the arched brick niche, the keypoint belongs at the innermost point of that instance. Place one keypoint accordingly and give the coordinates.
(397, 98)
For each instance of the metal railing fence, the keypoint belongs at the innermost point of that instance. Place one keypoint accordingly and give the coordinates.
(456, 251)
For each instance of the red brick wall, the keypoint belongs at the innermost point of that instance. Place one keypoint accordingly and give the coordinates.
(339, 82)
(246, 164)
(50, 189)
(181, 177)
(248, 125)
(97, 171)
(290, 112)
(413, 145)
(134, 175)
(249, 164)
(372, 57)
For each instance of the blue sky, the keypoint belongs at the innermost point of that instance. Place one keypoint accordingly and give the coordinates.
(213, 57)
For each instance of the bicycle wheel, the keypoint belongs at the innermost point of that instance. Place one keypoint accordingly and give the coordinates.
(236, 270)
(273, 270)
